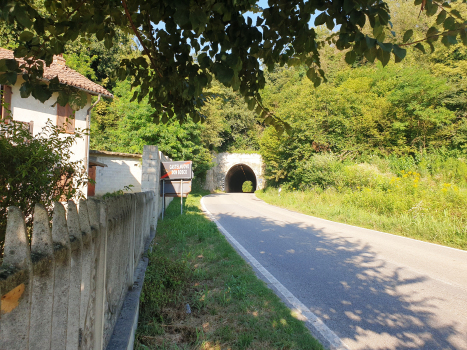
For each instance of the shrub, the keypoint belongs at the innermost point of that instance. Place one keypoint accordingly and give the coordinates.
(36, 169)
(247, 186)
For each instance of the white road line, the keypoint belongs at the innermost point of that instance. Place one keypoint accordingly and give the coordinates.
(312, 320)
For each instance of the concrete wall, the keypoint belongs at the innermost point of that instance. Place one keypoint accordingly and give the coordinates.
(150, 180)
(122, 170)
(29, 109)
(66, 291)
(215, 177)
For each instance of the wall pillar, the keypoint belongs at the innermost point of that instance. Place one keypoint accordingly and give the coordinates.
(150, 178)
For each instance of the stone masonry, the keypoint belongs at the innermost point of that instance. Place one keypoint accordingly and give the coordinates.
(216, 176)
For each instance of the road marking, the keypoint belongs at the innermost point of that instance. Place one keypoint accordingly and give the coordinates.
(313, 321)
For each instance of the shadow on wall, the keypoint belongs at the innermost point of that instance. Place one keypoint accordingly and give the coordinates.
(237, 175)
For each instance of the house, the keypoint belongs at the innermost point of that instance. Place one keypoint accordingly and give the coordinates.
(35, 114)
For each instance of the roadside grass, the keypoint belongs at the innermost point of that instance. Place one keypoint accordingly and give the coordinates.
(192, 263)
(439, 217)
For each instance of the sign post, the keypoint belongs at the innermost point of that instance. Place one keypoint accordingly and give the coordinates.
(181, 197)
(170, 172)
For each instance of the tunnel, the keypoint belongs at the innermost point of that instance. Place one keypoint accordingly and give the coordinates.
(237, 175)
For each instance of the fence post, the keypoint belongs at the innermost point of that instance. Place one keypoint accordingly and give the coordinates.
(40, 330)
(86, 264)
(101, 277)
(89, 317)
(62, 254)
(15, 284)
(74, 299)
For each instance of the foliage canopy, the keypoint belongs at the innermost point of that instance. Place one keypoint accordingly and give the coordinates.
(185, 44)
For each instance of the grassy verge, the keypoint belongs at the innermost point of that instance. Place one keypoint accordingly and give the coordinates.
(446, 226)
(192, 263)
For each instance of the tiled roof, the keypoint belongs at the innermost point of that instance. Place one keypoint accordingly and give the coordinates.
(65, 74)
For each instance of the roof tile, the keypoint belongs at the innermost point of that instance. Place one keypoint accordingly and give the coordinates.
(65, 74)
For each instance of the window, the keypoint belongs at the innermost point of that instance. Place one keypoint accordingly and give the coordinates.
(6, 102)
(66, 118)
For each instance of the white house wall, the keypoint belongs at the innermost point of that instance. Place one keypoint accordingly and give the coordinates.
(29, 109)
(120, 172)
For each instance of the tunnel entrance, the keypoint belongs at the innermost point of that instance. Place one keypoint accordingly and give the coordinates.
(237, 175)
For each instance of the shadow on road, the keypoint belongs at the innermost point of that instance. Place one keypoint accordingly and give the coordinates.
(346, 284)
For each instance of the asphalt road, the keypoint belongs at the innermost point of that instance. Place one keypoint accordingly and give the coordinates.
(371, 289)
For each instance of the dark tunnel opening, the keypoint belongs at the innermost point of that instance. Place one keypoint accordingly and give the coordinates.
(237, 175)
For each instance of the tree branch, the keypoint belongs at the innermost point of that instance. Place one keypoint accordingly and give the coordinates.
(433, 36)
(138, 35)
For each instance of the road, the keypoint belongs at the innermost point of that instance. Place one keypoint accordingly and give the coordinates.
(372, 290)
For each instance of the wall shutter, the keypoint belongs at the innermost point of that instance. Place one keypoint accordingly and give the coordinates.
(61, 116)
(6, 102)
(66, 118)
(70, 127)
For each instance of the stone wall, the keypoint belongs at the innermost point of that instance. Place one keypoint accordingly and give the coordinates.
(215, 177)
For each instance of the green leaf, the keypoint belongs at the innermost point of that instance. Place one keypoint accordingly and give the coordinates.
(311, 74)
(224, 74)
(370, 42)
(8, 78)
(370, 54)
(420, 47)
(108, 42)
(441, 17)
(383, 56)
(11, 64)
(348, 6)
(63, 98)
(350, 57)
(385, 46)
(407, 35)
(22, 17)
(449, 23)
(431, 9)
(449, 40)
(182, 16)
(431, 34)
(41, 93)
(378, 30)
(321, 19)
(26, 36)
(399, 53)
(456, 13)
(251, 104)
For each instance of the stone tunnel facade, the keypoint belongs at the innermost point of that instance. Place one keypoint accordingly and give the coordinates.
(232, 169)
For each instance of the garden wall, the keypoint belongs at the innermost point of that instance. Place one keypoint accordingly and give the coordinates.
(65, 290)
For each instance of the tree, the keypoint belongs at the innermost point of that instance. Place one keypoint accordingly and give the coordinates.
(126, 126)
(36, 169)
(185, 44)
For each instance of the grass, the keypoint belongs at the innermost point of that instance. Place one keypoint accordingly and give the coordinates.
(430, 213)
(193, 264)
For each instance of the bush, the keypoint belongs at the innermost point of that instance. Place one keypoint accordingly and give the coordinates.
(247, 186)
(36, 169)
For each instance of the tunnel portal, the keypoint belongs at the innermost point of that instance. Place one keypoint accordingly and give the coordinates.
(237, 175)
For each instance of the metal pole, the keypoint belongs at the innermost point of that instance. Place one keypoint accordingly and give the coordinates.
(163, 198)
(181, 198)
